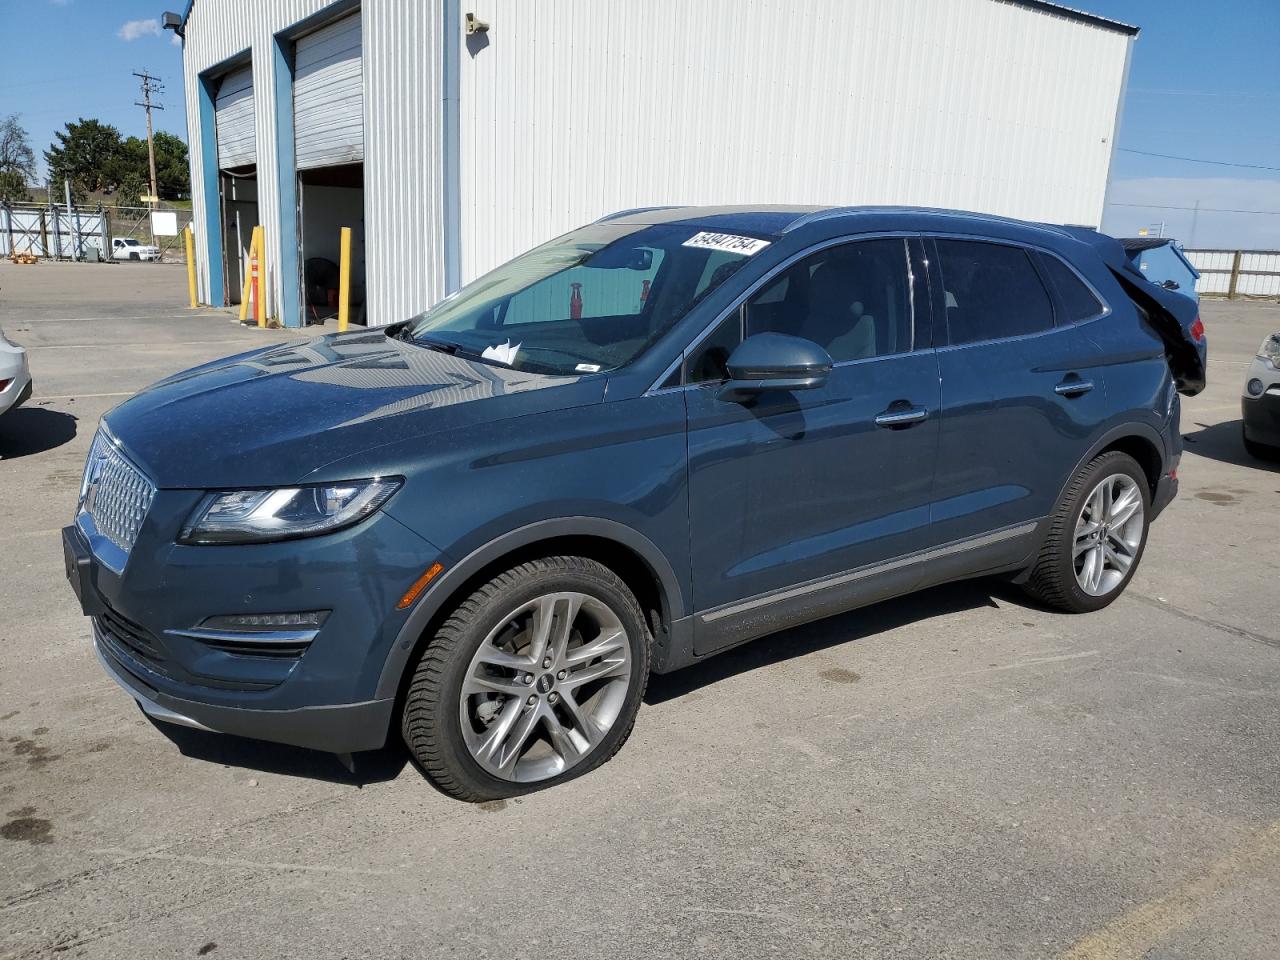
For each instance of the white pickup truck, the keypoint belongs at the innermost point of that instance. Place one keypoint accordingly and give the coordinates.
(127, 248)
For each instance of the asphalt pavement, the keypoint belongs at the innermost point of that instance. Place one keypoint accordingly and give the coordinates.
(954, 774)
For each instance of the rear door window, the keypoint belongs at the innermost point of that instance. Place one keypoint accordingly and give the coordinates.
(1077, 299)
(992, 291)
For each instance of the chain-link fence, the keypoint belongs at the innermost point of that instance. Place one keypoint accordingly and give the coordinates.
(135, 222)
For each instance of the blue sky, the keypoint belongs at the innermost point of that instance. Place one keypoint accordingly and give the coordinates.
(1204, 83)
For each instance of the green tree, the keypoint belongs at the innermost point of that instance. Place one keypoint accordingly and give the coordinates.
(172, 170)
(17, 161)
(87, 153)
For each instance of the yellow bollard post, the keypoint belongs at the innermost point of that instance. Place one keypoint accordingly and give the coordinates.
(260, 281)
(248, 277)
(191, 266)
(344, 279)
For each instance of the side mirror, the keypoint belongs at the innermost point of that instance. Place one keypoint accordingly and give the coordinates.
(774, 362)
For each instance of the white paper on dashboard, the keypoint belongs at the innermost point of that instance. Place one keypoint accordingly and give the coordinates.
(502, 352)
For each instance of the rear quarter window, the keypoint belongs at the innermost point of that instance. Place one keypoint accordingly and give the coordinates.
(1078, 300)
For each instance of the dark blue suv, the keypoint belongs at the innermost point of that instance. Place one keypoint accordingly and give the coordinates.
(636, 446)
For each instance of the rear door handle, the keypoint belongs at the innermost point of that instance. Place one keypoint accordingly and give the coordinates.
(893, 419)
(1073, 388)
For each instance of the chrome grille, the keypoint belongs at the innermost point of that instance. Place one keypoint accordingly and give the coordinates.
(116, 494)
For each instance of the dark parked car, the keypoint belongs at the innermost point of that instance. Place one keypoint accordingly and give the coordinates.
(634, 447)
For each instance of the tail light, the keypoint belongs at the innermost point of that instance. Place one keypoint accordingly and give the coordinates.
(1197, 329)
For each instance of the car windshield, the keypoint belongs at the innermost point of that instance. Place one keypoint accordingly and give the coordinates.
(590, 301)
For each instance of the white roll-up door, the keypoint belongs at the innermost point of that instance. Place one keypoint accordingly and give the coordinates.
(233, 109)
(328, 111)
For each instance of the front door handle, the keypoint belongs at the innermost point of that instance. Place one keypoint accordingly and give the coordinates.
(894, 419)
(1074, 387)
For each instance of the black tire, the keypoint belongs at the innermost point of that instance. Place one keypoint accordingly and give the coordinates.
(134, 256)
(1053, 577)
(1259, 451)
(430, 722)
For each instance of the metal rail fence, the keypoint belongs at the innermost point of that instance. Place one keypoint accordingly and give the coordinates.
(1237, 273)
(56, 232)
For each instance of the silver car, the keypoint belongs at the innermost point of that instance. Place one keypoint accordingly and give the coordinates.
(15, 376)
(1260, 405)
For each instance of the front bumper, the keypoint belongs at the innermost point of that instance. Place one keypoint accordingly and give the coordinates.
(18, 390)
(324, 695)
(342, 728)
(1261, 414)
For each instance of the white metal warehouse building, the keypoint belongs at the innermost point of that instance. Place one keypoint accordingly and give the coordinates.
(450, 151)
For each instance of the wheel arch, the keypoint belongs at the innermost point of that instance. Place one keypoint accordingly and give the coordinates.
(630, 554)
(1139, 440)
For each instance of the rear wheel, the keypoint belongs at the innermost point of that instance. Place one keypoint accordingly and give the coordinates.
(1096, 536)
(536, 678)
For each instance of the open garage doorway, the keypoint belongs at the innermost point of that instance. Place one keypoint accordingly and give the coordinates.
(330, 198)
(328, 123)
(239, 192)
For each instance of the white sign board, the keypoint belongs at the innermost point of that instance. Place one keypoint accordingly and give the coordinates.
(164, 223)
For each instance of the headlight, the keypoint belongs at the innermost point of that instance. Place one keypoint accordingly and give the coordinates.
(1270, 350)
(286, 513)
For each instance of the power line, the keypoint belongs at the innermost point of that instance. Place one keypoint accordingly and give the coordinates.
(1158, 206)
(1216, 163)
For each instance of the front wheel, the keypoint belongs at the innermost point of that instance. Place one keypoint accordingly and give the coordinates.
(1096, 536)
(536, 678)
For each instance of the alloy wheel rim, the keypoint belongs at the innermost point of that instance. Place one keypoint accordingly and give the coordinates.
(545, 687)
(1108, 535)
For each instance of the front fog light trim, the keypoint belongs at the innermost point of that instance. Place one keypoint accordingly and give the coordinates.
(1254, 387)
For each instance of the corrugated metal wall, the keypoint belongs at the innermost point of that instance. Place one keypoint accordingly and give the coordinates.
(574, 108)
(402, 124)
(403, 157)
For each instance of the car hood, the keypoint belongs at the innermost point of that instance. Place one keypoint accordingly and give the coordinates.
(272, 416)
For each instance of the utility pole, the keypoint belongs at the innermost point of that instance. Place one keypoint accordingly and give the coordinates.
(150, 86)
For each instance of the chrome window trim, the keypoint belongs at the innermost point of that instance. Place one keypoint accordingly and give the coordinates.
(657, 388)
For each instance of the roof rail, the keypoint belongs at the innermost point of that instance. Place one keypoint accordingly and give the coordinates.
(626, 213)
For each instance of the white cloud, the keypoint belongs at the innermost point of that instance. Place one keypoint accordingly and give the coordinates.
(175, 39)
(1235, 213)
(133, 29)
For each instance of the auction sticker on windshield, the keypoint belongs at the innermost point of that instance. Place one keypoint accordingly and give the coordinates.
(728, 242)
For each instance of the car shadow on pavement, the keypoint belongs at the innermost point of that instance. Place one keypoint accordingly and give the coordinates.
(1224, 442)
(832, 632)
(357, 770)
(29, 430)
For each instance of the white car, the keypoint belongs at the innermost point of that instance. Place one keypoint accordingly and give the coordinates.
(127, 248)
(1260, 405)
(15, 377)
